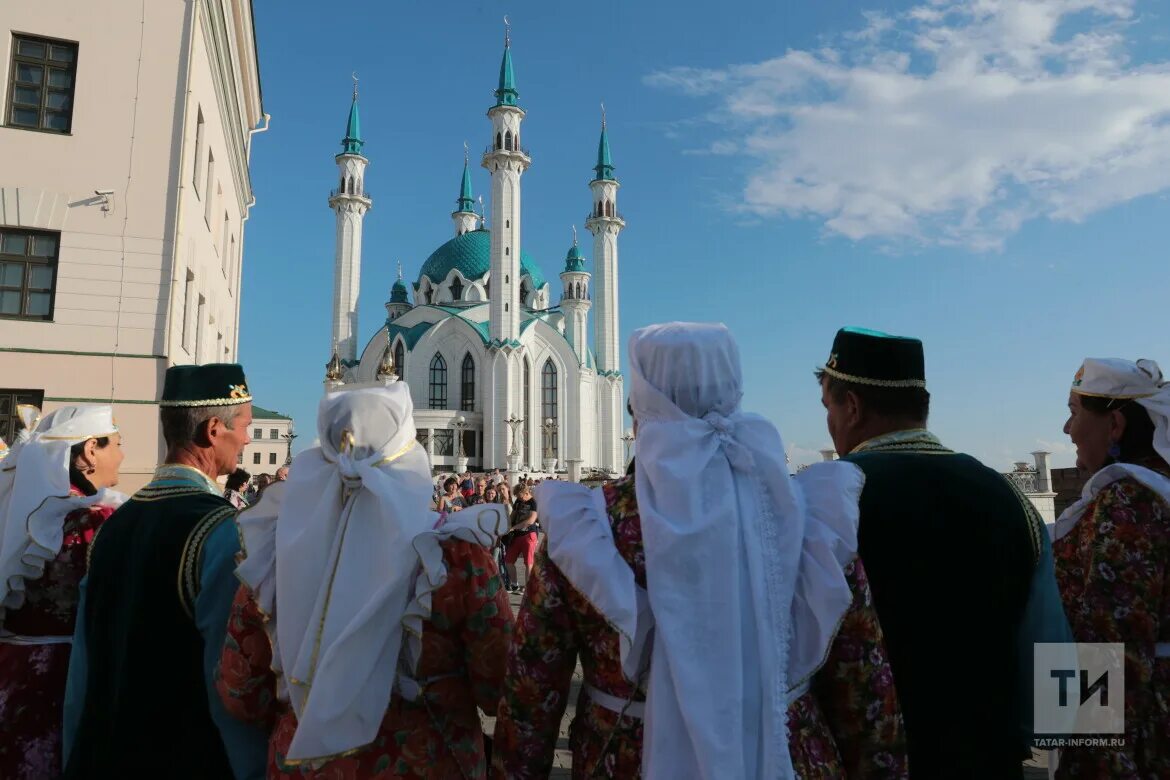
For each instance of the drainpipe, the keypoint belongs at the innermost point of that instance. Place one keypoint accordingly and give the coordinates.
(247, 214)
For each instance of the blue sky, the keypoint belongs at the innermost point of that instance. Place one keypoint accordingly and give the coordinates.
(991, 177)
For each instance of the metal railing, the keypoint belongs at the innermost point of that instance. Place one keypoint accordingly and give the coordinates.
(1025, 481)
(491, 149)
(615, 215)
(363, 194)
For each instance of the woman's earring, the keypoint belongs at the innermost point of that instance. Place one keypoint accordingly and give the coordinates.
(1114, 450)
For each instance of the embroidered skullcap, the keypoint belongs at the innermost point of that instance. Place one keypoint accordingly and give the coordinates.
(212, 384)
(870, 357)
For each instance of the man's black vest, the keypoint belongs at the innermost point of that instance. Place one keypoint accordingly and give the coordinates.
(146, 709)
(949, 547)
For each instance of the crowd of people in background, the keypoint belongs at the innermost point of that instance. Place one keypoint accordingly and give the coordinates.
(871, 617)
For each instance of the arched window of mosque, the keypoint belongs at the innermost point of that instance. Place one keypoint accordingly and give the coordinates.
(438, 395)
(399, 360)
(467, 384)
(508, 140)
(523, 291)
(341, 185)
(548, 398)
(456, 289)
(499, 143)
(508, 251)
(431, 295)
(527, 413)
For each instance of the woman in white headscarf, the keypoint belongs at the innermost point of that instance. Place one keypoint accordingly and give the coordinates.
(368, 628)
(1112, 553)
(53, 498)
(768, 663)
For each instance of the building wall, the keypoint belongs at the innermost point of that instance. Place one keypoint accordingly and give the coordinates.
(117, 312)
(269, 443)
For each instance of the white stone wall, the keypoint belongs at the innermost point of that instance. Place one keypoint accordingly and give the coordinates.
(122, 294)
(605, 232)
(272, 450)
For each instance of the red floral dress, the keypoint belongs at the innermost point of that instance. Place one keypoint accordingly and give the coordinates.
(1112, 570)
(848, 725)
(32, 677)
(464, 652)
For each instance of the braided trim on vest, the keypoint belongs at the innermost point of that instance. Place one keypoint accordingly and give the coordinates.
(190, 562)
(1036, 524)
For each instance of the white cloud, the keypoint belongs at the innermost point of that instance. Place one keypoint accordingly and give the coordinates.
(952, 123)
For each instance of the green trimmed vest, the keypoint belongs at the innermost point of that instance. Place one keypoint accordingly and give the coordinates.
(146, 708)
(949, 546)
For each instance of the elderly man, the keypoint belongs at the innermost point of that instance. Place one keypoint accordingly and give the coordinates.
(959, 561)
(281, 474)
(140, 700)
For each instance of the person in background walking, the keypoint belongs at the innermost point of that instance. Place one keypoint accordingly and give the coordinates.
(523, 536)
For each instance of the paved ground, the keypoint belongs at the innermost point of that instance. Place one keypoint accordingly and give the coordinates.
(562, 762)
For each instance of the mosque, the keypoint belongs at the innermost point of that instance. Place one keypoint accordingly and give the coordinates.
(501, 377)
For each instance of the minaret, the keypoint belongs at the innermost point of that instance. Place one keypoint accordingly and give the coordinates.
(351, 203)
(398, 304)
(605, 223)
(507, 162)
(464, 216)
(575, 301)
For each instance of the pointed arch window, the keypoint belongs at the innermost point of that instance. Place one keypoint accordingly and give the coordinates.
(527, 400)
(548, 398)
(467, 382)
(456, 289)
(499, 142)
(438, 395)
(508, 140)
(399, 360)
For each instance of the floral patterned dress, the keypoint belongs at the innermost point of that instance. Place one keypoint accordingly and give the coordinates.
(1112, 570)
(32, 676)
(847, 725)
(464, 652)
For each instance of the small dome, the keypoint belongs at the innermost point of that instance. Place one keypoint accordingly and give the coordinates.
(574, 261)
(398, 292)
(471, 255)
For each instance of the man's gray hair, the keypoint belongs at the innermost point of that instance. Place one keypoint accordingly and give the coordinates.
(180, 424)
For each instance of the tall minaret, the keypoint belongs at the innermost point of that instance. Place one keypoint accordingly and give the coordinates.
(464, 216)
(506, 161)
(575, 301)
(351, 203)
(605, 223)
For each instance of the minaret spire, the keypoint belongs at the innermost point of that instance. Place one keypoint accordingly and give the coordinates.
(353, 143)
(464, 214)
(506, 94)
(604, 167)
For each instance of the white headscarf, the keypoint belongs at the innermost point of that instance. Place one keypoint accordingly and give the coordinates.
(35, 492)
(341, 558)
(722, 533)
(1139, 381)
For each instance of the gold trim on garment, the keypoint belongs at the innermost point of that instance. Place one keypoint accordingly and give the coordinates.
(391, 458)
(1032, 516)
(861, 380)
(79, 438)
(1122, 397)
(918, 441)
(207, 402)
(192, 556)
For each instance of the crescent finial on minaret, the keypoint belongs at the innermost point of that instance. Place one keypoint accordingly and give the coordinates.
(400, 270)
(603, 115)
(507, 32)
(574, 235)
(353, 75)
(465, 153)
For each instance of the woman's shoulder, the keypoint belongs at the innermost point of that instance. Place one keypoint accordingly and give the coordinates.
(1132, 493)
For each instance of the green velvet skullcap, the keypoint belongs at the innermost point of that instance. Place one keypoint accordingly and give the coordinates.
(212, 384)
(870, 357)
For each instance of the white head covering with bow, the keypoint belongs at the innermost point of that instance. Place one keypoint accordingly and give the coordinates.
(340, 559)
(1127, 380)
(722, 531)
(35, 492)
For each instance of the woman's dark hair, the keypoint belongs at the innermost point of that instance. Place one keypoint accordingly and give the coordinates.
(237, 479)
(448, 482)
(1137, 442)
(76, 478)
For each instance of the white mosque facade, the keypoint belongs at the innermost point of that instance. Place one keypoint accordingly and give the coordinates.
(500, 375)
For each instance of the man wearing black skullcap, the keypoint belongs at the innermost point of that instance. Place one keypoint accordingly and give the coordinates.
(140, 700)
(959, 562)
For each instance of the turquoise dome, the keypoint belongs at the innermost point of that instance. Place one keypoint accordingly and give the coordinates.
(574, 261)
(470, 254)
(398, 293)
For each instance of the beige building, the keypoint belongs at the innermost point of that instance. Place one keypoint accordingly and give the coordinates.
(271, 445)
(125, 133)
